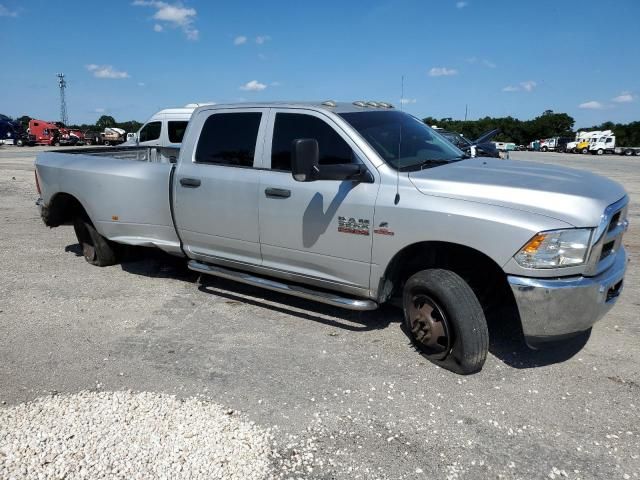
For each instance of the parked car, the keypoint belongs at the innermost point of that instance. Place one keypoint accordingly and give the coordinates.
(482, 147)
(357, 205)
(92, 137)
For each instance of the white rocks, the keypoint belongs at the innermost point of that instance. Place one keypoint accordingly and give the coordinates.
(131, 435)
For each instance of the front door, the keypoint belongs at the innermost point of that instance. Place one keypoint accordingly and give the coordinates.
(318, 230)
(216, 187)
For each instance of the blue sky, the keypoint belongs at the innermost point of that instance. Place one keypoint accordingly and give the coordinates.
(131, 58)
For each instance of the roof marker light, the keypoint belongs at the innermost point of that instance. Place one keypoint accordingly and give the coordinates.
(360, 103)
(329, 103)
(372, 104)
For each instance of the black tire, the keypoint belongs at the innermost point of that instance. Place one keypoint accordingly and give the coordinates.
(585, 150)
(600, 151)
(20, 142)
(96, 249)
(445, 320)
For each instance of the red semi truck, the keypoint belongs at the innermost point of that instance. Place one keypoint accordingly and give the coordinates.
(48, 133)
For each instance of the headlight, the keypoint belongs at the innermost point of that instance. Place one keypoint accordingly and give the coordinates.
(555, 248)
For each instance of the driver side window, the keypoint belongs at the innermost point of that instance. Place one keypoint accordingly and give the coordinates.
(151, 131)
(291, 126)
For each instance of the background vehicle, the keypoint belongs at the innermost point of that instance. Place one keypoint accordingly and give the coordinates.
(164, 131)
(504, 146)
(481, 147)
(554, 144)
(113, 136)
(45, 133)
(12, 133)
(92, 137)
(606, 143)
(355, 205)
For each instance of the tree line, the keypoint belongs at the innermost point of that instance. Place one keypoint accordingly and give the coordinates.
(521, 132)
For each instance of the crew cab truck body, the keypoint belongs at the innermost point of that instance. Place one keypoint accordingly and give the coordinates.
(355, 205)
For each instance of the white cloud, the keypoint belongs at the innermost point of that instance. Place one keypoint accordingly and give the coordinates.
(142, 84)
(408, 101)
(461, 5)
(591, 105)
(253, 86)
(175, 15)
(240, 40)
(275, 84)
(483, 61)
(624, 97)
(442, 72)
(5, 12)
(158, 28)
(106, 71)
(262, 39)
(99, 110)
(527, 86)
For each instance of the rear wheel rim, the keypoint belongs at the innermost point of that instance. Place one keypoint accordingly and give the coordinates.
(429, 325)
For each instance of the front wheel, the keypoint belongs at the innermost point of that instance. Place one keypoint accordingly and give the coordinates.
(445, 320)
(96, 249)
(600, 151)
(585, 151)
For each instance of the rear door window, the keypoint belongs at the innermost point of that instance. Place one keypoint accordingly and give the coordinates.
(229, 139)
(151, 131)
(176, 130)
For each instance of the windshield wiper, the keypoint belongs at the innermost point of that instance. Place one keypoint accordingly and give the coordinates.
(424, 163)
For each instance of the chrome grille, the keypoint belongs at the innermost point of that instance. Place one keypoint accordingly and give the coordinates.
(608, 237)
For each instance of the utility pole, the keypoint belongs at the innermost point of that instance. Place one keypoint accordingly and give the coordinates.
(63, 102)
(466, 109)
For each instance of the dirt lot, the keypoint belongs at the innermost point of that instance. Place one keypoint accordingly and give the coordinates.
(350, 380)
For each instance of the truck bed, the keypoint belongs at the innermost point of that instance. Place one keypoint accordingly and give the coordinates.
(126, 191)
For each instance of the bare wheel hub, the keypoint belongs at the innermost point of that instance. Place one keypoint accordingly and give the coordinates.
(429, 326)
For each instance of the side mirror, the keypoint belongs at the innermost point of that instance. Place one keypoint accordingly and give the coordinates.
(305, 159)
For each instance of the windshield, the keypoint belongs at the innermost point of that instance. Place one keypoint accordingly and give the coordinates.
(457, 139)
(403, 141)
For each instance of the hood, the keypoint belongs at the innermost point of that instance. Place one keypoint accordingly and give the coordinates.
(572, 196)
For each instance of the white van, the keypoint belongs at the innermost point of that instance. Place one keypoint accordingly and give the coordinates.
(164, 131)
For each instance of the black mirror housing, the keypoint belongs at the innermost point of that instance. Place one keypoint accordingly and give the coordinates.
(305, 159)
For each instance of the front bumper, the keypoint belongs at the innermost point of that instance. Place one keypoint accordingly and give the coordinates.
(556, 308)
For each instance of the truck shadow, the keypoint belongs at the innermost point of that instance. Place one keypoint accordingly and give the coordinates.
(506, 341)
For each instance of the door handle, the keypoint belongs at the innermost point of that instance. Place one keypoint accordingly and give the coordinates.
(190, 182)
(277, 192)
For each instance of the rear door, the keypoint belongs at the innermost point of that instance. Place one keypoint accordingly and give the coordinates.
(321, 230)
(216, 186)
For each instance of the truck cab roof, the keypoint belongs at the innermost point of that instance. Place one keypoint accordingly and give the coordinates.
(327, 105)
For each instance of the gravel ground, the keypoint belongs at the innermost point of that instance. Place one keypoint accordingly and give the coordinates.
(340, 393)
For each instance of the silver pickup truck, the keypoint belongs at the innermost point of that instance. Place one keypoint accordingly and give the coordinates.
(355, 205)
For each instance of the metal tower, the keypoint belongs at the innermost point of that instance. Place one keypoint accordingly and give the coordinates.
(63, 103)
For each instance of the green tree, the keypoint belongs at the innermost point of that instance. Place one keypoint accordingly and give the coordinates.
(24, 121)
(105, 121)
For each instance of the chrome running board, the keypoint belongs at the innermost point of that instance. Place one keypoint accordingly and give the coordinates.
(276, 286)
